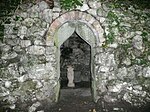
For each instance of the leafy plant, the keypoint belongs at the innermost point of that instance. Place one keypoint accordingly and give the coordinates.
(112, 16)
(70, 4)
(110, 38)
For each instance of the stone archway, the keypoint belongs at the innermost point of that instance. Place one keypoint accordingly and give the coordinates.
(87, 27)
(64, 32)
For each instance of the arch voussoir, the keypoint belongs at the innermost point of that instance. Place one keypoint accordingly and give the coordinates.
(78, 16)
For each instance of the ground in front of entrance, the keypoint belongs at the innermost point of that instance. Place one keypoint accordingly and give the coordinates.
(74, 100)
(80, 100)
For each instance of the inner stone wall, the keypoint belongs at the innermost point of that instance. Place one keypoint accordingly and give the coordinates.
(28, 63)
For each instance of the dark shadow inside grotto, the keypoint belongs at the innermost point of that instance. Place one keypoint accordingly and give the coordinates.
(77, 53)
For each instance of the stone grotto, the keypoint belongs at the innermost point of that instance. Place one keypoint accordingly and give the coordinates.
(107, 45)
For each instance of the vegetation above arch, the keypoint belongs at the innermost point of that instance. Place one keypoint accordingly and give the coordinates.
(8, 7)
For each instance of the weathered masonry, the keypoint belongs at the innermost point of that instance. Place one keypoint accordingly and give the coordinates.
(74, 21)
(119, 53)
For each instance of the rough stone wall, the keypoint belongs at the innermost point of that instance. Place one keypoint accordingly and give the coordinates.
(27, 63)
(122, 62)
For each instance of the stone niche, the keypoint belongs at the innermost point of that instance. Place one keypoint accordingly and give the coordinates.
(77, 52)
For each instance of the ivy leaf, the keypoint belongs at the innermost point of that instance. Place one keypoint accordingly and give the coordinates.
(110, 38)
(144, 34)
(112, 16)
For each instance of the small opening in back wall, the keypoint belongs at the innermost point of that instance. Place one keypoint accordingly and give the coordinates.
(77, 53)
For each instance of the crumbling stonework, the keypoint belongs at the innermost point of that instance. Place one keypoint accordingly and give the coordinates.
(119, 40)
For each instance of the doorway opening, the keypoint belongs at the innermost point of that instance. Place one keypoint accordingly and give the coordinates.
(77, 53)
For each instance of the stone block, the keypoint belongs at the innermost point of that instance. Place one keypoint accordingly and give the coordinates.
(28, 22)
(5, 47)
(47, 15)
(50, 50)
(12, 69)
(94, 4)
(146, 72)
(8, 84)
(50, 58)
(12, 42)
(55, 15)
(137, 42)
(22, 31)
(127, 61)
(113, 45)
(122, 72)
(24, 15)
(9, 55)
(80, 15)
(49, 43)
(38, 22)
(102, 19)
(39, 84)
(92, 12)
(17, 48)
(104, 69)
(10, 36)
(55, 25)
(40, 33)
(25, 43)
(84, 7)
(23, 78)
(8, 28)
(88, 17)
(44, 24)
(42, 6)
(33, 14)
(39, 42)
(101, 12)
(36, 50)
(56, 9)
(91, 21)
(42, 71)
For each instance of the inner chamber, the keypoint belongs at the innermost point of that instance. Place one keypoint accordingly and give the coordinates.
(77, 53)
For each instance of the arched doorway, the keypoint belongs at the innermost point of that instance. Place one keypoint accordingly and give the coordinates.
(88, 28)
(86, 34)
(76, 52)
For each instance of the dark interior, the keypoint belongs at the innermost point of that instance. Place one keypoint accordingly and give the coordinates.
(77, 52)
